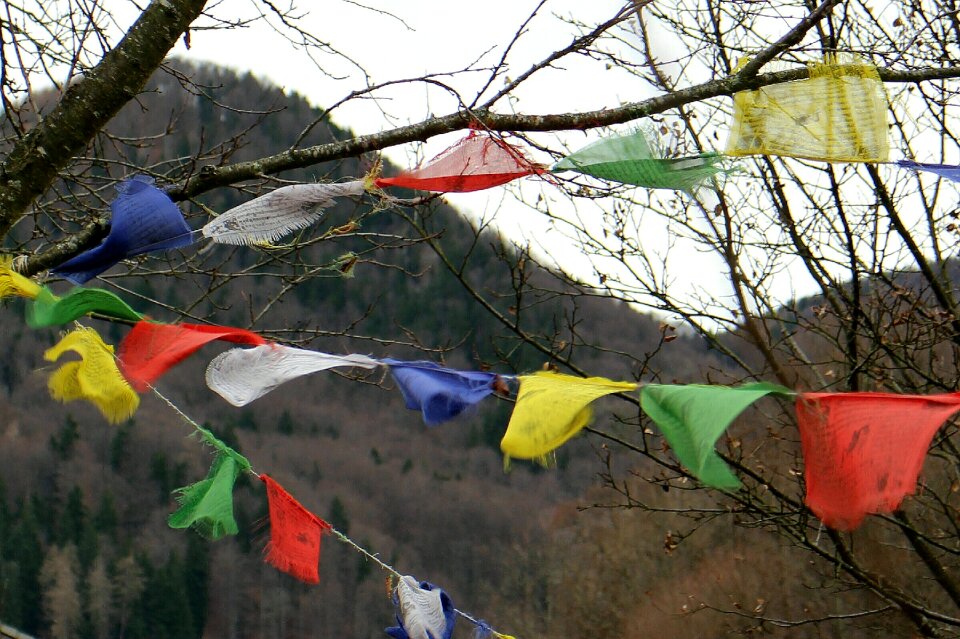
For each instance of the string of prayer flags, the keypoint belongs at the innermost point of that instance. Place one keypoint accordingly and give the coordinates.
(150, 350)
(207, 505)
(94, 378)
(294, 546)
(423, 611)
(551, 408)
(269, 217)
(863, 452)
(629, 159)
(692, 418)
(439, 393)
(14, 284)
(478, 161)
(49, 310)
(242, 375)
(143, 219)
(838, 114)
(949, 171)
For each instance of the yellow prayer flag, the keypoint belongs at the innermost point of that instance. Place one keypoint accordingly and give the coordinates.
(12, 283)
(839, 114)
(551, 408)
(95, 378)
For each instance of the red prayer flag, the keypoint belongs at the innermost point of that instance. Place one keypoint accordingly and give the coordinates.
(294, 546)
(478, 161)
(863, 452)
(150, 350)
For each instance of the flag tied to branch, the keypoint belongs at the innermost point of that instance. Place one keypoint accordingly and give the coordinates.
(294, 546)
(143, 218)
(863, 452)
(150, 350)
(94, 378)
(439, 393)
(14, 284)
(949, 171)
(282, 211)
(839, 114)
(242, 375)
(49, 310)
(423, 611)
(629, 159)
(478, 161)
(551, 408)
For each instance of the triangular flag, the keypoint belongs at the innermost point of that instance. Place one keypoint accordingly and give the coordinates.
(143, 219)
(294, 546)
(150, 350)
(629, 159)
(423, 611)
(12, 283)
(478, 161)
(863, 452)
(94, 378)
(49, 310)
(551, 408)
(949, 171)
(241, 375)
(271, 216)
(208, 504)
(693, 417)
(439, 393)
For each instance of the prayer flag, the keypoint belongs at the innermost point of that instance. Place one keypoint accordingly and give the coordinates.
(693, 417)
(208, 504)
(294, 546)
(94, 378)
(863, 452)
(551, 408)
(271, 216)
(423, 611)
(143, 219)
(12, 283)
(439, 393)
(49, 310)
(838, 114)
(949, 171)
(150, 350)
(241, 375)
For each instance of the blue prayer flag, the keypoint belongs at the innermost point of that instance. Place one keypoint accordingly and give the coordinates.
(143, 218)
(949, 171)
(440, 393)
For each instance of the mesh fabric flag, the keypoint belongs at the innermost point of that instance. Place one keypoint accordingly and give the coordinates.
(143, 219)
(271, 216)
(863, 452)
(423, 611)
(439, 393)
(94, 378)
(12, 283)
(551, 408)
(150, 350)
(294, 546)
(478, 161)
(839, 114)
(241, 375)
(208, 504)
(693, 417)
(49, 310)
(629, 159)
(949, 171)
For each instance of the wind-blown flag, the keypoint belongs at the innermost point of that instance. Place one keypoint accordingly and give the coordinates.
(150, 350)
(143, 219)
(551, 408)
(241, 375)
(94, 378)
(12, 283)
(863, 452)
(629, 159)
(478, 161)
(839, 114)
(423, 611)
(294, 546)
(693, 417)
(271, 216)
(439, 393)
(949, 171)
(208, 504)
(49, 310)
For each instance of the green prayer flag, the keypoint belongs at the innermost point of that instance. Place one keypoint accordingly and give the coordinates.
(49, 310)
(629, 159)
(693, 417)
(208, 504)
